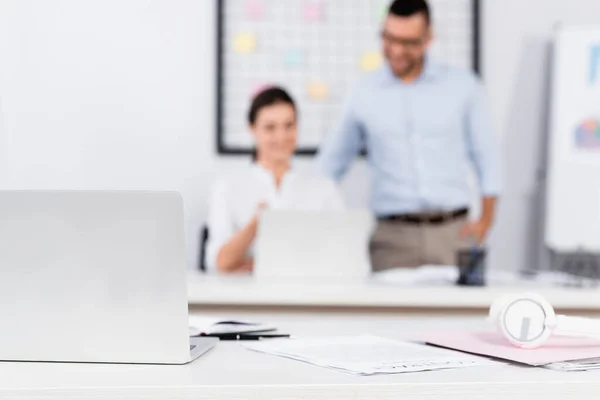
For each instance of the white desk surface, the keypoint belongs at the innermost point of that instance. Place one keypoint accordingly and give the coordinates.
(244, 291)
(231, 372)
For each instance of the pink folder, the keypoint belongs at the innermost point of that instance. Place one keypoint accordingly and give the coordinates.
(492, 344)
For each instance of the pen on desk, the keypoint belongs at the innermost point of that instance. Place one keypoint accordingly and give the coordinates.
(248, 337)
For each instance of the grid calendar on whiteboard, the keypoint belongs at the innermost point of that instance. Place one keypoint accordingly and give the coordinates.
(317, 50)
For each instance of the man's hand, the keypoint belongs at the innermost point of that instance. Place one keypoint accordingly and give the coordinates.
(479, 230)
(476, 230)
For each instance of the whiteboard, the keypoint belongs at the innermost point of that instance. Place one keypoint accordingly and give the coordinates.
(317, 49)
(573, 190)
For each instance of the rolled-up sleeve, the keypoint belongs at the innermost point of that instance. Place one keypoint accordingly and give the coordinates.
(220, 224)
(483, 145)
(342, 145)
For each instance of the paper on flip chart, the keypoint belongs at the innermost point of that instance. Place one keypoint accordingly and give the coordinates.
(366, 355)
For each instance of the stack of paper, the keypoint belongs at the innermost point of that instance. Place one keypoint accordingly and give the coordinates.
(580, 365)
(215, 326)
(366, 355)
(557, 353)
(440, 275)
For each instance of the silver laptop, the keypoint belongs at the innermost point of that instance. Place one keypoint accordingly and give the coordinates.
(314, 246)
(94, 277)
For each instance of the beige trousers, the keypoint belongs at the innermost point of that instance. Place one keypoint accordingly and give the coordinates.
(401, 244)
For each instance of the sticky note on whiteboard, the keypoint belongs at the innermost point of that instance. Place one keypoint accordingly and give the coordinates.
(254, 9)
(293, 58)
(259, 88)
(244, 43)
(381, 11)
(371, 61)
(314, 11)
(318, 91)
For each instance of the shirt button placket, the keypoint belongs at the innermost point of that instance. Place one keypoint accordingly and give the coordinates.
(415, 143)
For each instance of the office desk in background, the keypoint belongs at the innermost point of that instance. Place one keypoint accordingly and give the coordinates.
(233, 373)
(242, 292)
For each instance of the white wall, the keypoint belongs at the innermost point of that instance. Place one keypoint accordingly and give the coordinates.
(517, 49)
(108, 94)
(101, 94)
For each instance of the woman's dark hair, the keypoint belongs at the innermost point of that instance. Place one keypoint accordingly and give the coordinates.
(268, 97)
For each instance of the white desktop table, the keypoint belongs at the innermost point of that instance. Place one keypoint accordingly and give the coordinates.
(237, 292)
(233, 373)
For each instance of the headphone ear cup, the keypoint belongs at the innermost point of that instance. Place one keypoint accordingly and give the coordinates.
(508, 312)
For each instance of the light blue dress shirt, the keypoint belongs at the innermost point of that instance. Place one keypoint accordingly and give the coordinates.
(421, 139)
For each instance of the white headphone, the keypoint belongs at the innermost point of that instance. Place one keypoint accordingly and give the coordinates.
(528, 320)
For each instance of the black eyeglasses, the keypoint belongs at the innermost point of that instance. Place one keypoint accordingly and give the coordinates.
(411, 43)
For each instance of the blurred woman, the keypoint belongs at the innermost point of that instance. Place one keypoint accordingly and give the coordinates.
(270, 182)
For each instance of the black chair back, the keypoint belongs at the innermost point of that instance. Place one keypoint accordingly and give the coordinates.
(203, 240)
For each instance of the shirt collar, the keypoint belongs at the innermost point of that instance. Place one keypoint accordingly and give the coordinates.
(431, 70)
(264, 173)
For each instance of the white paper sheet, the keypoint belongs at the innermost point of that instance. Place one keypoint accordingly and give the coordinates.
(432, 275)
(367, 355)
(579, 365)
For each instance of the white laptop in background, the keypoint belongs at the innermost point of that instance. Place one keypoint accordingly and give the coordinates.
(94, 277)
(328, 246)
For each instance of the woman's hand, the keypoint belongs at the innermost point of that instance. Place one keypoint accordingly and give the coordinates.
(247, 266)
(232, 256)
(253, 225)
(262, 206)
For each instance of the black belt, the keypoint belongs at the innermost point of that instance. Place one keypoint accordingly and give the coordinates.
(433, 218)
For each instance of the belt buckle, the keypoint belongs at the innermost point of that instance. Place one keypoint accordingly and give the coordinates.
(449, 216)
(430, 218)
(442, 217)
(446, 217)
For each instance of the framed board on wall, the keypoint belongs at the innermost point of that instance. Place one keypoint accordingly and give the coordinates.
(573, 186)
(317, 50)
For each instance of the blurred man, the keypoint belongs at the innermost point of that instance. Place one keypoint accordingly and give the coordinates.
(424, 124)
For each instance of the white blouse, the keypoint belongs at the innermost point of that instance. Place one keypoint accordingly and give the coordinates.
(234, 202)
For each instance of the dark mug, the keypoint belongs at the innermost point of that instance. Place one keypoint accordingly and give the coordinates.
(471, 265)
